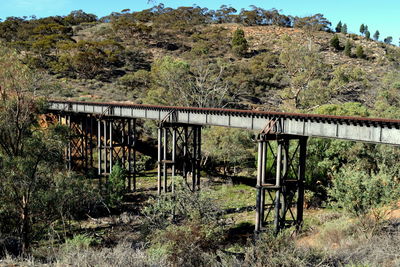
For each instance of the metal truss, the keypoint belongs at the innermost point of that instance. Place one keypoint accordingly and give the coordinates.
(98, 143)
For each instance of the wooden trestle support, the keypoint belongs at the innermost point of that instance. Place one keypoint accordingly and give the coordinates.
(98, 143)
(107, 139)
(179, 148)
(280, 181)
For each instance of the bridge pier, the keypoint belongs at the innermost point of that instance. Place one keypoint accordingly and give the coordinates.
(114, 139)
(79, 151)
(280, 181)
(116, 143)
(179, 148)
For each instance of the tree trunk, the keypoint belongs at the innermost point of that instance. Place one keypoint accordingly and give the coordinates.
(25, 227)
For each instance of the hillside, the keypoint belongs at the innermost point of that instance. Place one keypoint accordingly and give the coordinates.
(148, 57)
(358, 79)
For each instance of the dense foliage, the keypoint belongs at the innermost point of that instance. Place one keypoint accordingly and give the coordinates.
(358, 191)
(35, 189)
(239, 43)
(183, 226)
(115, 187)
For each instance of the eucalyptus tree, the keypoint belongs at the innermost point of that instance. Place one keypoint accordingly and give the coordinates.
(35, 189)
(200, 83)
(376, 35)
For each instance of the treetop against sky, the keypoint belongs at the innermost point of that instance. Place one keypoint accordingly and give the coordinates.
(378, 15)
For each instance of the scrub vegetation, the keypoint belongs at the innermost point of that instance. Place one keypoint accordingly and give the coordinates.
(191, 56)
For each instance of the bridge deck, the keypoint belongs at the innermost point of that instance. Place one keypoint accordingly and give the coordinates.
(374, 130)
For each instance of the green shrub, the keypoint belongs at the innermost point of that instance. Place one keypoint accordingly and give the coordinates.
(89, 59)
(358, 192)
(186, 244)
(182, 206)
(347, 49)
(115, 187)
(136, 81)
(143, 163)
(200, 48)
(360, 52)
(239, 43)
(335, 43)
(184, 227)
(78, 242)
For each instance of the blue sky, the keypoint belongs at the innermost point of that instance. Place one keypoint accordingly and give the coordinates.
(381, 15)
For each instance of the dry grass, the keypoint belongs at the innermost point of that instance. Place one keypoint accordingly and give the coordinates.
(330, 239)
(362, 242)
(351, 249)
(121, 255)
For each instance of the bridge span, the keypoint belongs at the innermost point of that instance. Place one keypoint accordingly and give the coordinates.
(373, 130)
(105, 133)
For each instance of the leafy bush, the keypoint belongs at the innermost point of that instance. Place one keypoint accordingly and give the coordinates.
(116, 186)
(143, 163)
(239, 43)
(360, 52)
(200, 48)
(88, 59)
(184, 227)
(183, 205)
(346, 109)
(136, 81)
(347, 49)
(78, 242)
(358, 192)
(335, 43)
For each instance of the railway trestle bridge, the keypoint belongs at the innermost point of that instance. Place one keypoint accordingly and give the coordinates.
(104, 133)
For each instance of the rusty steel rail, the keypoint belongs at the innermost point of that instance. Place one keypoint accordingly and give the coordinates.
(373, 130)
